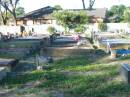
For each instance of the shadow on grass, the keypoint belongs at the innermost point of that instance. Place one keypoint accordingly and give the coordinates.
(24, 67)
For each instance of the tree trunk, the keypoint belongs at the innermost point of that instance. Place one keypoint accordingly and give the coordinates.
(83, 4)
(91, 3)
(14, 15)
(4, 21)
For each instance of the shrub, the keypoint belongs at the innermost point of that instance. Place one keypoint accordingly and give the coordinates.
(102, 26)
(51, 30)
(80, 29)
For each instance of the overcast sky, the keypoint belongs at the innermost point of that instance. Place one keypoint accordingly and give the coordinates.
(30, 5)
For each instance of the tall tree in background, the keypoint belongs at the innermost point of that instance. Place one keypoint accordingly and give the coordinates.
(118, 11)
(127, 16)
(71, 20)
(4, 15)
(91, 3)
(58, 7)
(83, 2)
(10, 5)
(20, 11)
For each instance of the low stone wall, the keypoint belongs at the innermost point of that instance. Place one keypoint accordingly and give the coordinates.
(62, 52)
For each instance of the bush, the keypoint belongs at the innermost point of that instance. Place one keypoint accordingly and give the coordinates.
(80, 29)
(51, 30)
(102, 26)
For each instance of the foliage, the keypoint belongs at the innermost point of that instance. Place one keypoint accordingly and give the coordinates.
(70, 20)
(117, 10)
(4, 15)
(127, 15)
(10, 5)
(80, 29)
(20, 11)
(51, 30)
(58, 7)
(102, 26)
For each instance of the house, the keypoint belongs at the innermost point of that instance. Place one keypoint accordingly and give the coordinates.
(40, 16)
(97, 15)
(43, 16)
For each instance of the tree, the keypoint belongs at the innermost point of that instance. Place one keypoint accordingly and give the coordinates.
(102, 26)
(58, 7)
(127, 15)
(70, 20)
(117, 10)
(83, 4)
(20, 11)
(91, 3)
(4, 15)
(11, 6)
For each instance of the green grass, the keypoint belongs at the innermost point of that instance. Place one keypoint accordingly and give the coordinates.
(72, 77)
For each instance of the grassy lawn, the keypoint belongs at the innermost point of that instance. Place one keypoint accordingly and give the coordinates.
(83, 76)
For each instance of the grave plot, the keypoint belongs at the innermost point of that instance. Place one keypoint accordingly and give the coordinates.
(18, 48)
(6, 65)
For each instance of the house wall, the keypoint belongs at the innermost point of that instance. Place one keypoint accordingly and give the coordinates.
(29, 22)
(96, 19)
(21, 22)
(34, 22)
(42, 29)
(112, 27)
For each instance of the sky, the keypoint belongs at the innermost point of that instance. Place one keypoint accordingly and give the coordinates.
(31, 5)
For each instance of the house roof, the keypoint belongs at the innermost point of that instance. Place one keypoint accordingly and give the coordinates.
(99, 12)
(39, 13)
(46, 13)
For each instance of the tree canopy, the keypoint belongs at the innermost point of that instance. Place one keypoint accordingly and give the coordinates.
(10, 5)
(70, 20)
(20, 11)
(127, 15)
(117, 10)
(58, 7)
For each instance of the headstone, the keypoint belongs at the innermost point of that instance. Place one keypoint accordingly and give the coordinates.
(125, 72)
